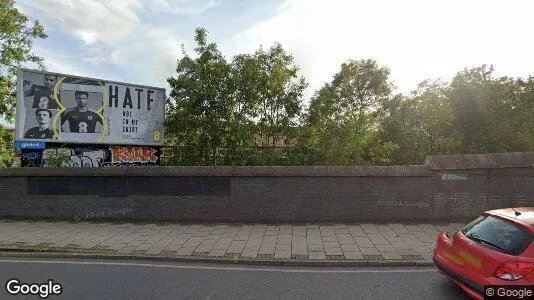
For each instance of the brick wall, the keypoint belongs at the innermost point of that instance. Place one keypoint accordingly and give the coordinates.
(445, 188)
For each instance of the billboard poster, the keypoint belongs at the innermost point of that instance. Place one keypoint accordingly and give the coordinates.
(92, 156)
(58, 108)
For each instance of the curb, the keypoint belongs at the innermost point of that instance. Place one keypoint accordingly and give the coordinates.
(276, 262)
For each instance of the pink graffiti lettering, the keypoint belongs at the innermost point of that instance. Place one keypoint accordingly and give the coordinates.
(133, 154)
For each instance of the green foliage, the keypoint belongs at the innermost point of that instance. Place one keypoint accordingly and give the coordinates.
(249, 111)
(200, 110)
(358, 89)
(475, 113)
(421, 124)
(343, 117)
(267, 87)
(56, 157)
(470, 96)
(232, 113)
(16, 38)
(492, 114)
(268, 93)
(7, 156)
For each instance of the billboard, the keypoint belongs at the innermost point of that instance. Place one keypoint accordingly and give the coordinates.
(59, 108)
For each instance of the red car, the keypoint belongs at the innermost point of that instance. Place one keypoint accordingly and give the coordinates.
(494, 249)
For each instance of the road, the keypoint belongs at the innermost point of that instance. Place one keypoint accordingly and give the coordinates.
(110, 279)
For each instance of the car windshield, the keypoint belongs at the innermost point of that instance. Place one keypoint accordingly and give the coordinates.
(500, 235)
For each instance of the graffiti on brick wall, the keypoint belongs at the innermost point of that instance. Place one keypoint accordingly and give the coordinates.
(91, 156)
(31, 156)
(120, 154)
(75, 157)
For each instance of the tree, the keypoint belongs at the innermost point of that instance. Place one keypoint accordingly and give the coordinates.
(343, 116)
(474, 113)
(510, 107)
(17, 34)
(358, 89)
(491, 114)
(469, 95)
(249, 112)
(421, 124)
(519, 111)
(222, 113)
(7, 156)
(269, 98)
(16, 40)
(201, 119)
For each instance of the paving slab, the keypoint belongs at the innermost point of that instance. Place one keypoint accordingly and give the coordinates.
(217, 252)
(282, 254)
(331, 244)
(393, 238)
(349, 248)
(327, 231)
(333, 251)
(377, 238)
(353, 255)
(341, 231)
(356, 230)
(317, 255)
(386, 230)
(314, 241)
(283, 247)
(345, 238)
(369, 251)
(185, 251)
(329, 238)
(370, 228)
(363, 242)
(249, 254)
(281, 241)
(236, 247)
(390, 255)
(315, 247)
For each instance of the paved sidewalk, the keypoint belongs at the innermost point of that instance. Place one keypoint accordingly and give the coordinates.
(320, 244)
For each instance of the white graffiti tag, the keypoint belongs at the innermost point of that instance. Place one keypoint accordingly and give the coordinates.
(87, 158)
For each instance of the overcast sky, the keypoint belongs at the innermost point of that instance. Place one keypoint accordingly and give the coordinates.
(139, 41)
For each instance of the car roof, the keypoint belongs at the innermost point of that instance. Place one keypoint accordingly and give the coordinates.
(526, 217)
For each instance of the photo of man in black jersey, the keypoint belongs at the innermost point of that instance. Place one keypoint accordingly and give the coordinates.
(80, 118)
(42, 131)
(43, 95)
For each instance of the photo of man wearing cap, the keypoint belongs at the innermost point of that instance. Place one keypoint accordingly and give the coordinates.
(43, 131)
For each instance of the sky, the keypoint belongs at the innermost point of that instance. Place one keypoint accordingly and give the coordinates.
(139, 41)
